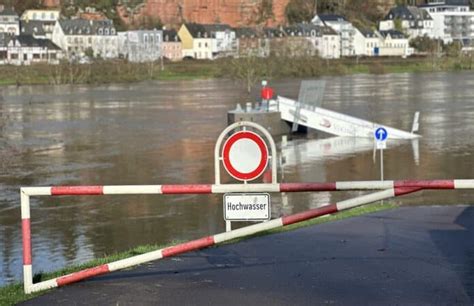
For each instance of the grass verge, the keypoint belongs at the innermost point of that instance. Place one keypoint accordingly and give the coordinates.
(120, 71)
(13, 294)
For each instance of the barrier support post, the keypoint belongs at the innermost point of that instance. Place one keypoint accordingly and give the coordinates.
(26, 239)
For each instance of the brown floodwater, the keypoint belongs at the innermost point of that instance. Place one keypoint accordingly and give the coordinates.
(165, 132)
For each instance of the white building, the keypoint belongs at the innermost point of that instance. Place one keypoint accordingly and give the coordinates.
(351, 39)
(141, 45)
(453, 20)
(373, 42)
(412, 20)
(394, 43)
(79, 36)
(9, 22)
(26, 50)
(224, 41)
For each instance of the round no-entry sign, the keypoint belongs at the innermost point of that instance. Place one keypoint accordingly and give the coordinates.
(245, 155)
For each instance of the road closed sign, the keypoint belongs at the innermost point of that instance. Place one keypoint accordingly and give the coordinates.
(245, 155)
(247, 206)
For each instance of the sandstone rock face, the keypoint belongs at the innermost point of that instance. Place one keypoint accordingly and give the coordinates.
(232, 12)
(51, 3)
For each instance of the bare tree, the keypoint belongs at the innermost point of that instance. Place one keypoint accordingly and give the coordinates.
(248, 70)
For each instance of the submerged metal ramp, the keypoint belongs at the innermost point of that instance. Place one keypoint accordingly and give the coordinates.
(332, 122)
(307, 111)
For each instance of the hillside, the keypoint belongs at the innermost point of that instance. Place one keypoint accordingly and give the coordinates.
(137, 13)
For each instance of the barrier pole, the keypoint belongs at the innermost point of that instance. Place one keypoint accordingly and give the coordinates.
(218, 188)
(217, 239)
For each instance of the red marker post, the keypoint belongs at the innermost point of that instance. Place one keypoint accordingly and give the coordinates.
(266, 93)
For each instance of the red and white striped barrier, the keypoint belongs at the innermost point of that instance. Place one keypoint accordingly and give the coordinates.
(217, 188)
(389, 189)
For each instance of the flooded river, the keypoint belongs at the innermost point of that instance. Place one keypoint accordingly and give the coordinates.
(164, 133)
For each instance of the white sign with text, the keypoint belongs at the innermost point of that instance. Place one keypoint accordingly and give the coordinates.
(247, 206)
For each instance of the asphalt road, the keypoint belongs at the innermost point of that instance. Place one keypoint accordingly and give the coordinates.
(410, 255)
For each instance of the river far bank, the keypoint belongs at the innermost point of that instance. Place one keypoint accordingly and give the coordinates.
(247, 70)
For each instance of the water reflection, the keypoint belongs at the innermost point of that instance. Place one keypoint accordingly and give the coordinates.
(164, 133)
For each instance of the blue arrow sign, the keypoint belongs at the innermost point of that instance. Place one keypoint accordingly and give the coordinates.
(381, 134)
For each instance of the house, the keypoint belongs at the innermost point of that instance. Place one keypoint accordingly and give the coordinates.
(452, 20)
(411, 20)
(395, 43)
(276, 39)
(37, 29)
(196, 41)
(50, 16)
(9, 21)
(207, 41)
(140, 45)
(323, 41)
(39, 23)
(373, 42)
(27, 50)
(251, 43)
(171, 46)
(351, 39)
(224, 43)
(79, 37)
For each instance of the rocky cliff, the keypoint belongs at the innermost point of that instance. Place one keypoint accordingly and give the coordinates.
(232, 12)
(51, 3)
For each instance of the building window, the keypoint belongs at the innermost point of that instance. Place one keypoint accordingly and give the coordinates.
(36, 56)
(14, 56)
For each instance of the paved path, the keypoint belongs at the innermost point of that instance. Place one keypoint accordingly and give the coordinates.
(410, 255)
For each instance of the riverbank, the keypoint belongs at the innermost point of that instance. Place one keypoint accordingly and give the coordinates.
(406, 256)
(103, 72)
(13, 294)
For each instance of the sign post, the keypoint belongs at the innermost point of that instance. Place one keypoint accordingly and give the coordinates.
(245, 154)
(381, 136)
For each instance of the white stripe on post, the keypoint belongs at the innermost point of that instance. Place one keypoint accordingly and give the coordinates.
(44, 285)
(36, 191)
(364, 185)
(25, 204)
(366, 199)
(463, 184)
(28, 278)
(131, 189)
(248, 230)
(135, 260)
